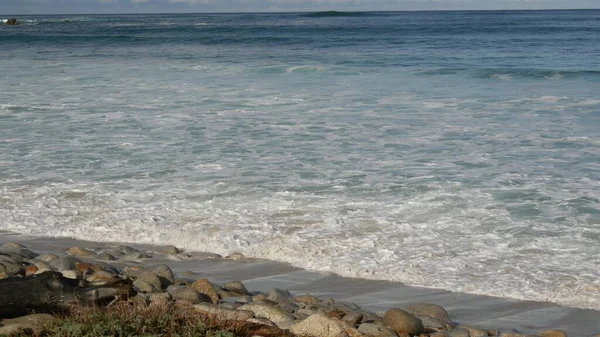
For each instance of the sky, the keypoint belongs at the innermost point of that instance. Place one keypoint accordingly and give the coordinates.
(200, 6)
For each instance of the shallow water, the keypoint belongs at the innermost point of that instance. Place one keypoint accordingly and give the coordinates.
(457, 150)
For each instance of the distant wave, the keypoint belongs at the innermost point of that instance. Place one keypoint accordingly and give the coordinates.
(329, 14)
(508, 73)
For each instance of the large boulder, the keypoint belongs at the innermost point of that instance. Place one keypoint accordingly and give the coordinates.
(403, 322)
(319, 325)
(204, 286)
(431, 310)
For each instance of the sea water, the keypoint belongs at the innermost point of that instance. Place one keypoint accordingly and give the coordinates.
(457, 150)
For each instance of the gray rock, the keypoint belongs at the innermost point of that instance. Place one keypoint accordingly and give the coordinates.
(10, 266)
(34, 321)
(13, 245)
(268, 311)
(372, 330)
(458, 332)
(160, 298)
(223, 313)
(279, 295)
(433, 325)
(133, 256)
(431, 310)
(105, 257)
(307, 299)
(474, 331)
(150, 278)
(403, 322)
(318, 325)
(300, 316)
(353, 318)
(42, 267)
(170, 250)
(237, 299)
(164, 273)
(236, 287)
(262, 321)
(386, 329)
(78, 251)
(127, 250)
(307, 312)
(48, 257)
(71, 274)
(144, 287)
(65, 263)
(182, 293)
(27, 253)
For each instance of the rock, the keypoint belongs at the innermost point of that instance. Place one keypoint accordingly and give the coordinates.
(48, 257)
(12, 22)
(372, 330)
(151, 278)
(318, 325)
(127, 250)
(10, 267)
(431, 324)
(145, 287)
(42, 267)
(236, 256)
(307, 299)
(552, 333)
(71, 274)
(170, 250)
(431, 310)
(236, 287)
(262, 321)
(259, 297)
(141, 300)
(474, 331)
(164, 273)
(204, 286)
(133, 272)
(223, 313)
(13, 245)
(268, 311)
(514, 334)
(101, 278)
(105, 257)
(237, 299)
(182, 293)
(133, 256)
(386, 329)
(353, 318)
(403, 322)
(31, 270)
(300, 316)
(65, 263)
(78, 251)
(160, 298)
(458, 332)
(279, 295)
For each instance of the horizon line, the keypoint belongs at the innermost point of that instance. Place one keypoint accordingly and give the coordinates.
(325, 11)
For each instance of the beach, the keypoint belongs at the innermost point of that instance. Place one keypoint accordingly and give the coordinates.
(377, 296)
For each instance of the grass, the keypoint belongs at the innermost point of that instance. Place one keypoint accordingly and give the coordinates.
(123, 319)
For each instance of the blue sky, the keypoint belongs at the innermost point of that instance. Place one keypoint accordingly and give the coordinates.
(189, 6)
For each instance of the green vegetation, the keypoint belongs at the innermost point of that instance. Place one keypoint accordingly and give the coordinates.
(125, 319)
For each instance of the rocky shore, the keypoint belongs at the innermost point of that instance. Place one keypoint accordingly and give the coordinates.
(52, 283)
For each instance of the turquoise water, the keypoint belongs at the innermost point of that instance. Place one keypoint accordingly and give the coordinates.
(458, 150)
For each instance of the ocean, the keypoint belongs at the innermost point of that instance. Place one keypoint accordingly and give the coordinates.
(452, 150)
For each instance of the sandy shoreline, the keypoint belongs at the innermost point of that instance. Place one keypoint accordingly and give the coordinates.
(260, 275)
